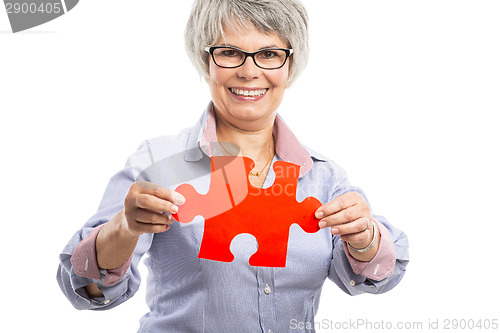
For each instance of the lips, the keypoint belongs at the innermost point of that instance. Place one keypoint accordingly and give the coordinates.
(252, 92)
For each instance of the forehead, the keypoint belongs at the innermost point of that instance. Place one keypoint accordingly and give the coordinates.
(247, 35)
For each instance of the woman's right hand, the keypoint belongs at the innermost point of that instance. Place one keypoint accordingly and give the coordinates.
(148, 208)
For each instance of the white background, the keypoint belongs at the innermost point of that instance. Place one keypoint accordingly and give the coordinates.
(403, 94)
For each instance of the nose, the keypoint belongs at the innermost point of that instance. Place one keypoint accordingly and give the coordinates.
(249, 70)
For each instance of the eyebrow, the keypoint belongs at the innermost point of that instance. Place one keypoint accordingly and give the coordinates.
(272, 46)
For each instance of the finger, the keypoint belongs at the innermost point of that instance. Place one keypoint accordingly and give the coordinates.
(160, 192)
(360, 239)
(344, 216)
(338, 204)
(145, 216)
(155, 204)
(148, 228)
(360, 225)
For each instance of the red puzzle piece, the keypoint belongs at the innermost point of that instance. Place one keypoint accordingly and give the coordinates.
(234, 206)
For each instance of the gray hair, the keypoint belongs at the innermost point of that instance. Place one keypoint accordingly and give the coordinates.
(286, 18)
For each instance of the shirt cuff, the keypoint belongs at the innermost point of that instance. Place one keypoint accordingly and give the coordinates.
(84, 261)
(383, 263)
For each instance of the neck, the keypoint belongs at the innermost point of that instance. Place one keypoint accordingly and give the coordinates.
(256, 144)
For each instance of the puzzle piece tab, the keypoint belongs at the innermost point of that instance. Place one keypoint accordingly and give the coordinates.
(233, 206)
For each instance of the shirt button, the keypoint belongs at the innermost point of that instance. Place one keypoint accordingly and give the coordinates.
(269, 331)
(352, 283)
(267, 290)
(106, 301)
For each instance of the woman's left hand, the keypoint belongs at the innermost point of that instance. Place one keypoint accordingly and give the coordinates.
(349, 216)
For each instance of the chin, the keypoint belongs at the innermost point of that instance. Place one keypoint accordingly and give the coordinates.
(248, 113)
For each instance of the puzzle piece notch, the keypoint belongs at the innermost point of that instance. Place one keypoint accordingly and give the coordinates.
(228, 188)
(233, 206)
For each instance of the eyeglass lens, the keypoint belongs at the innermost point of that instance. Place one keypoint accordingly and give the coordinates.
(229, 57)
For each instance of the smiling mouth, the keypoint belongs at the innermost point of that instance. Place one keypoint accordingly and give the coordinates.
(248, 93)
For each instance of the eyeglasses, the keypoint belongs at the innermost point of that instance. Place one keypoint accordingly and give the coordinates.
(233, 57)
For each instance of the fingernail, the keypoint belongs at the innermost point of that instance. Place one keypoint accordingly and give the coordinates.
(335, 231)
(179, 199)
(320, 214)
(174, 209)
(322, 224)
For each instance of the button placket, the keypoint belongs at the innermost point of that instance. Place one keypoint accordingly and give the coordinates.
(267, 312)
(267, 289)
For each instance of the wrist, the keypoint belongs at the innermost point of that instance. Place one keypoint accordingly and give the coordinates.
(115, 243)
(362, 248)
(121, 226)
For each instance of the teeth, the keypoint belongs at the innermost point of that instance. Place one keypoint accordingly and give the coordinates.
(248, 93)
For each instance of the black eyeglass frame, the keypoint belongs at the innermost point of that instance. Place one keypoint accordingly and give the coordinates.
(211, 49)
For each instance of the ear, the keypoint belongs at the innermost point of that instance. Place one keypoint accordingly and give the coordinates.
(288, 85)
(209, 65)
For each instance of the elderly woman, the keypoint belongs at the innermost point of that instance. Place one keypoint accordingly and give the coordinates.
(248, 51)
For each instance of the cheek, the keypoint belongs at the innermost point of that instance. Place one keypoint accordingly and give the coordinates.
(216, 76)
(215, 82)
(279, 78)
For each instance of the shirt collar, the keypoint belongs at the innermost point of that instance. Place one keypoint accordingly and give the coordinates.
(288, 147)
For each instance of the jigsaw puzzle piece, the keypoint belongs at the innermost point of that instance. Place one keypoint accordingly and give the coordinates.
(215, 202)
(217, 238)
(235, 170)
(233, 206)
(273, 229)
(228, 188)
(304, 214)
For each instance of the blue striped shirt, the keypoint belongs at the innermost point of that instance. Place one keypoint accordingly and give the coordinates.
(189, 294)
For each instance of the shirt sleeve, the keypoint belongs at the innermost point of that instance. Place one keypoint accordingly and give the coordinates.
(385, 270)
(382, 264)
(353, 280)
(84, 261)
(78, 264)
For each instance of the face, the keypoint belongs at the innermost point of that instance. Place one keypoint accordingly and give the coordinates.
(228, 85)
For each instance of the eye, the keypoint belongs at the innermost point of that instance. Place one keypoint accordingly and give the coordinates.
(229, 53)
(268, 54)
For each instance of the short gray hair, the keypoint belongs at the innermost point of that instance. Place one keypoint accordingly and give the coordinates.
(286, 18)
